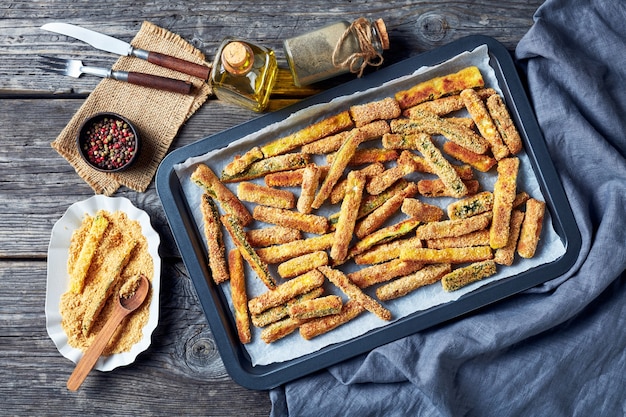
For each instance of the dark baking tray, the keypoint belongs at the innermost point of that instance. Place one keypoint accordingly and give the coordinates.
(213, 301)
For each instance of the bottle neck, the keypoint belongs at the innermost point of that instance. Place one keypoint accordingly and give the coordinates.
(237, 58)
(380, 38)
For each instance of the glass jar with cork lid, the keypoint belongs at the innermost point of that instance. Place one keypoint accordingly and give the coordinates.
(244, 73)
(336, 49)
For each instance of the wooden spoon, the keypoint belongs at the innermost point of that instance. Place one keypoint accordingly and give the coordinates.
(123, 307)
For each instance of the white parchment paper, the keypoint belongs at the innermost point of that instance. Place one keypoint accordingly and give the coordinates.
(293, 346)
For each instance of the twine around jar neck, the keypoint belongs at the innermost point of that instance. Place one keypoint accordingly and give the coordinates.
(357, 61)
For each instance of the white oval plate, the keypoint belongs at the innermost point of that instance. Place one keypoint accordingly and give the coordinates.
(58, 278)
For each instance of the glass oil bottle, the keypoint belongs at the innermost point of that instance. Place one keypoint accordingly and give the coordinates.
(310, 55)
(244, 73)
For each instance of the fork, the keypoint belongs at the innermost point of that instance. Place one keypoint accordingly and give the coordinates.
(75, 68)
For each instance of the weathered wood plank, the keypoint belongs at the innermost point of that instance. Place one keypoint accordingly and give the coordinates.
(413, 27)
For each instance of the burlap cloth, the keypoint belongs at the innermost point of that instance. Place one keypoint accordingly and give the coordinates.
(158, 115)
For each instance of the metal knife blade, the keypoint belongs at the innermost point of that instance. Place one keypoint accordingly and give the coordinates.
(119, 47)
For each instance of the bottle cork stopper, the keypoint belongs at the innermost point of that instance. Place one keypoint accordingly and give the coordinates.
(237, 57)
(382, 32)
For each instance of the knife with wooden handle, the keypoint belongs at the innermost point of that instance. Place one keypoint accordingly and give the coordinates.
(119, 47)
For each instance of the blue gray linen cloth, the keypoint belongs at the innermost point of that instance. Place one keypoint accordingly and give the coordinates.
(558, 349)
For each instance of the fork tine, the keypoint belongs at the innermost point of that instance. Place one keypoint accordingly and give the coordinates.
(52, 70)
(53, 67)
(52, 62)
(53, 58)
(69, 67)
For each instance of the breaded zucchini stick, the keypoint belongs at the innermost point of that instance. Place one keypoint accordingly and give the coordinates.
(205, 178)
(477, 109)
(269, 165)
(281, 253)
(375, 129)
(402, 286)
(352, 291)
(326, 145)
(405, 166)
(78, 273)
(317, 307)
(274, 314)
(470, 206)
(506, 254)
(407, 140)
(400, 141)
(441, 167)
(108, 278)
(449, 228)
(292, 178)
(383, 272)
(241, 162)
(465, 123)
(461, 277)
(423, 120)
(267, 196)
(477, 238)
(348, 213)
(239, 295)
(302, 264)
(436, 188)
(520, 198)
(379, 216)
(286, 291)
(483, 162)
(386, 251)
(368, 156)
(503, 122)
(332, 143)
(215, 239)
(449, 104)
(343, 156)
(322, 325)
(240, 240)
(323, 128)
(437, 87)
(387, 108)
(464, 172)
(383, 235)
(311, 223)
(423, 212)
(531, 228)
(447, 255)
(311, 177)
(279, 329)
(272, 235)
(503, 195)
(440, 107)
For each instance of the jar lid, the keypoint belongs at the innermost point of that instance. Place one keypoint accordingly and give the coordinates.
(382, 32)
(237, 58)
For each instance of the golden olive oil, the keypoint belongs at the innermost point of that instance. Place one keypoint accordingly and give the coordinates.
(244, 74)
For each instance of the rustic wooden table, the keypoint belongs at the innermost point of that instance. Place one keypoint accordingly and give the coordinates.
(181, 373)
